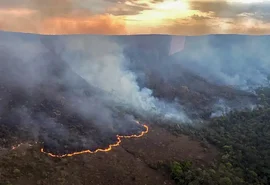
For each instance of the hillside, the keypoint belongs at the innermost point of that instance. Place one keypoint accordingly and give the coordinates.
(69, 94)
(178, 76)
(44, 100)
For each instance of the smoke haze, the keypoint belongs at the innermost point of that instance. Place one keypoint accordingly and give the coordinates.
(101, 61)
(240, 61)
(101, 83)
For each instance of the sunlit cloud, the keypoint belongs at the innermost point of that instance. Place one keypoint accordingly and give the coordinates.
(135, 16)
(100, 24)
(16, 12)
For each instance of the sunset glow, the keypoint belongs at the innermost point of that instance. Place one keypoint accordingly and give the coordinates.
(16, 12)
(135, 16)
(248, 1)
(163, 11)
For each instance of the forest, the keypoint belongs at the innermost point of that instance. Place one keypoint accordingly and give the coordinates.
(243, 139)
(51, 103)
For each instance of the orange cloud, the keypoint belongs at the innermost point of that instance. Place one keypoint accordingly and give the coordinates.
(17, 20)
(58, 17)
(133, 17)
(16, 12)
(100, 24)
(214, 26)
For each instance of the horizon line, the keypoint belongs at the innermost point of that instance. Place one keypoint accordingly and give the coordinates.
(140, 34)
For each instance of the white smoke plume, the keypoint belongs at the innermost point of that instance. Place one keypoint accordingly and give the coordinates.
(101, 61)
(239, 61)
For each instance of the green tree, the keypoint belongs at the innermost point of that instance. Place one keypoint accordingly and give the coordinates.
(225, 181)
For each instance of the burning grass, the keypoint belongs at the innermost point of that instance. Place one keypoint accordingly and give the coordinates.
(109, 148)
(65, 149)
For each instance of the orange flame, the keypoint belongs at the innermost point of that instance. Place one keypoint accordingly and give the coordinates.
(99, 150)
(22, 144)
(15, 147)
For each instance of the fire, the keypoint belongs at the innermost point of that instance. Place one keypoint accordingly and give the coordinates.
(15, 147)
(100, 150)
(21, 144)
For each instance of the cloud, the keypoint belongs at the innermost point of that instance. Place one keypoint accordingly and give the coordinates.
(225, 9)
(200, 17)
(189, 28)
(18, 22)
(46, 8)
(203, 24)
(14, 4)
(103, 24)
(51, 8)
(57, 17)
(136, 16)
(127, 9)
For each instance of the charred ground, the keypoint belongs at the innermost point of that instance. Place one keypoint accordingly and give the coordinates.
(44, 114)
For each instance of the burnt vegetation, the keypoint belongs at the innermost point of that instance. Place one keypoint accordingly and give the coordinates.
(46, 110)
(46, 115)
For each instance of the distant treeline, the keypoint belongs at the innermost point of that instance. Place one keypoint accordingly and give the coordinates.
(244, 142)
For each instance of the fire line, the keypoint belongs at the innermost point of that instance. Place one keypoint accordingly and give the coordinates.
(109, 148)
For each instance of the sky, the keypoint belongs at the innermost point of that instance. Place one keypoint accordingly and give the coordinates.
(121, 17)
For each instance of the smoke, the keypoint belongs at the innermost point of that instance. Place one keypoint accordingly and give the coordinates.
(207, 69)
(96, 85)
(220, 108)
(51, 103)
(239, 61)
(66, 90)
(101, 61)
